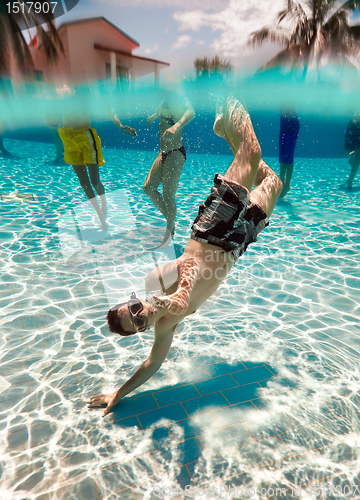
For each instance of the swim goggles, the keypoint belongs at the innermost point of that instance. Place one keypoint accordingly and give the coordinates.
(135, 307)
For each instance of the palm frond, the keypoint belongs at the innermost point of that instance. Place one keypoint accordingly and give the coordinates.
(48, 44)
(350, 5)
(289, 56)
(292, 11)
(317, 45)
(324, 33)
(337, 24)
(13, 47)
(52, 42)
(342, 37)
(219, 64)
(355, 32)
(320, 10)
(4, 48)
(207, 66)
(302, 32)
(202, 64)
(269, 34)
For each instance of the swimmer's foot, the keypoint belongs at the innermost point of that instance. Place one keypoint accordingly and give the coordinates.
(103, 223)
(103, 206)
(349, 185)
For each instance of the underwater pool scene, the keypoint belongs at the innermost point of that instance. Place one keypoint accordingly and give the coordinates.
(259, 395)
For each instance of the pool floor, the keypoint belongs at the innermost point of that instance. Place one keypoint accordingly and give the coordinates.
(259, 396)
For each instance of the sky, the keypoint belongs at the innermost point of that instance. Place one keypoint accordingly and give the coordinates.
(178, 31)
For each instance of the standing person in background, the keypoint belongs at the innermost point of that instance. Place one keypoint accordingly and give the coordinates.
(352, 147)
(82, 145)
(174, 114)
(289, 131)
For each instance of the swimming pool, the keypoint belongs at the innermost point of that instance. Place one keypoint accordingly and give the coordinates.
(260, 389)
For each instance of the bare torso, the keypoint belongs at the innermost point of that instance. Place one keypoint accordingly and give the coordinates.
(168, 116)
(75, 110)
(214, 265)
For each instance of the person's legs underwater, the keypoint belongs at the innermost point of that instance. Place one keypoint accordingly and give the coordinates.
(354, 160)
(98, 186)
(166, 170)
(172, 169)
(289, 132)
(3, 150)
(81, 172)
(286, 171)
(152, 182)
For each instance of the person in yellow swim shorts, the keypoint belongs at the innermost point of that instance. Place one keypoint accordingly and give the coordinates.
(82, 145)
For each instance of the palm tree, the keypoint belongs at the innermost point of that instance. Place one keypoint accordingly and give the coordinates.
(323, 32)
(205, 66)
(14, 51)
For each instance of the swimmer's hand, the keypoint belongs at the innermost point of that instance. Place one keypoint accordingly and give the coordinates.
(151, 119)
(168, 135)
(108, 400)
(129, 131)
(176, 303)
(160, 301)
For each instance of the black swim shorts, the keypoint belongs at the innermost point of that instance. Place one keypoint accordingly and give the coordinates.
(227, 219)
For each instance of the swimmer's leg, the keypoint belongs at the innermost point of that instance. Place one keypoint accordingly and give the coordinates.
(247, 168)
(245, 165)
(286, 172)
(94, 172)
(268, 188)
(152, 182)
(228, 124)
(172, 168)
(81, 172)
(3, 151)
(354, 160)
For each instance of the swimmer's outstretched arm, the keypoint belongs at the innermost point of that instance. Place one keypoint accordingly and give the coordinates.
(164, 332)
(176, 304)
(124, 128)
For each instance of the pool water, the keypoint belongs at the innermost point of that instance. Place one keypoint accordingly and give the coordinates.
(259, 394)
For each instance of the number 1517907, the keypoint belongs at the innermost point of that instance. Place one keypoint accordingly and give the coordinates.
(26, 8)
